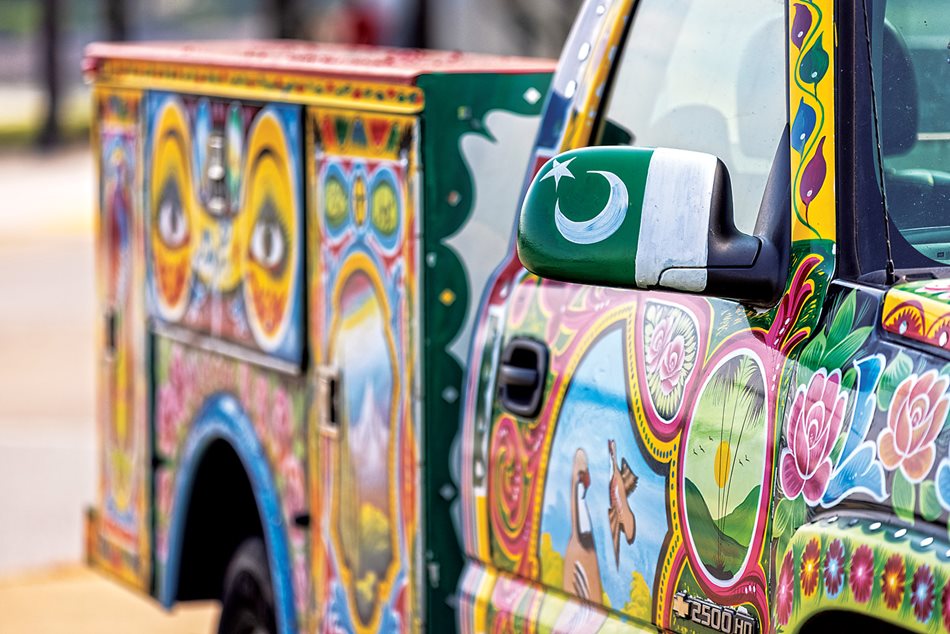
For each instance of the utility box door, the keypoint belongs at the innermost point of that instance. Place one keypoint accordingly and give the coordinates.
(122, 540)
(365, 332)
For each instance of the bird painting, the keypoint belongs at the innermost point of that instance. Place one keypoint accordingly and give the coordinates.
(623, 482)
(581, 571)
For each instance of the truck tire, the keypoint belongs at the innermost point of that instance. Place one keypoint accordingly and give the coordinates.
(247, 602)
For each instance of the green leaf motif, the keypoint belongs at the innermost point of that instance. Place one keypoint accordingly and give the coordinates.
(799, 513)
(929, 505)
(814, 63)
(782, 519)
(837, 357)
(849, 379)
(897, 370)
(813, 352)
(903, 497)
(843, 320)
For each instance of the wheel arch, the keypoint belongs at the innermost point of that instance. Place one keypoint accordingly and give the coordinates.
(223, 426)
(887, 539)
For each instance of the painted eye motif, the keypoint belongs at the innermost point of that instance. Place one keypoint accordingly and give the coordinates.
(172, 222)
(272, 233)
(906, 319)
(940, 333)
(268, 241)
(385, 209)
(336, 201)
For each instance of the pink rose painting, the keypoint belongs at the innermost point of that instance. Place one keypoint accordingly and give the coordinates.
(670, 364)
(811, 429)
(294, 486)
(916, 415)
(662, 333)
(170, 415)
(670, 342)
(281, 418)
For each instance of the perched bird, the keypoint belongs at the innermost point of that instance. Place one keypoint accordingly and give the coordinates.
(581, 571)
(623, 482)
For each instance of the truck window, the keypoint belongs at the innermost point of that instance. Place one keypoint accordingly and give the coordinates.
(709, 76)
(912, 86)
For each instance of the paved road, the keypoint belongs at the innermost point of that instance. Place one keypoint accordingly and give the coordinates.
(47, 430)
(75, 599)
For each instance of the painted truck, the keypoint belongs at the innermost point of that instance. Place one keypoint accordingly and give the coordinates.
(700, 383)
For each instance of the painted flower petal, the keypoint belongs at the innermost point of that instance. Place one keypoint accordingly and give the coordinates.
(814, 63)
(814, 175)
(815, 486)
(816, 387)
(902, 432)
(836, 418)
(800, 25)
(794, 415)
(800, 449)
(916, 466)
(887, 450)
(922, 385)
(938, 419)
(792, 482)
(803, 125)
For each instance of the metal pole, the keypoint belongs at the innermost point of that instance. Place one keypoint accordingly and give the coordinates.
(422, 24)
(286, 20)
(117, 26)
(49, 35)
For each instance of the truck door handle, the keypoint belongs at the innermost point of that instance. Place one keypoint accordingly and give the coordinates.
(110, 332)
(328, 400)
(521, 377)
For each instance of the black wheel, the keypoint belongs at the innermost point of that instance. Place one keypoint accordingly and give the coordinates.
(247, 603)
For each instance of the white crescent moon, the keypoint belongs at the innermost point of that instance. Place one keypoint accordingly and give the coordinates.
(604, 224)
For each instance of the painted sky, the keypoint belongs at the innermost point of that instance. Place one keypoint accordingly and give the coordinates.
(595, 411)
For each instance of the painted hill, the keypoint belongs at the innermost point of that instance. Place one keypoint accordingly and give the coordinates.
(738, 524)
(722, 555)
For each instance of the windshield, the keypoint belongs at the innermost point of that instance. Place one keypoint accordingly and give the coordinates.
(909, 56)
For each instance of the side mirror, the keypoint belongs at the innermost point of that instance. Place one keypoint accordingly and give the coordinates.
(646, 219)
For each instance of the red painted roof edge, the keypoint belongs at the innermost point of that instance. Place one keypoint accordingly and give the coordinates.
(308, 58)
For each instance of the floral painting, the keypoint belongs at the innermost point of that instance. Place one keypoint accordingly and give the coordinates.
(670, 337)
(186, 379)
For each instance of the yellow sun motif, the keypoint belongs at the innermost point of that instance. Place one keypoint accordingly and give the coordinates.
(721, 464)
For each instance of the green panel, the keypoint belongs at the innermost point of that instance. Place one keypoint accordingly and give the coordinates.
(598, 193)
(456, 106)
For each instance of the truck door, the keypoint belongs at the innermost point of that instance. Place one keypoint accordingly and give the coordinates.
(122, 541)
(365, 329)
(631, 453)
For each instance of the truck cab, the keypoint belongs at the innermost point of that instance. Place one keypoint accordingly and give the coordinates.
(709, 386)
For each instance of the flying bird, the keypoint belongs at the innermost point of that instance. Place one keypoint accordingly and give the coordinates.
(623, 482)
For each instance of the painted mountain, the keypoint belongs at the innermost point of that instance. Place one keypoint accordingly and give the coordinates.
(714, 536)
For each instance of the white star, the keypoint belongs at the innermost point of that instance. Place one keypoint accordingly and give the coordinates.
(559, 170)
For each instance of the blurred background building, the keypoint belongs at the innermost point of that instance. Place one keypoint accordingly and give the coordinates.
(41, 41)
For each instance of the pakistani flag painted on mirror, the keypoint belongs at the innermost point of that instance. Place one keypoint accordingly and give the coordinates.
(581, 216)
